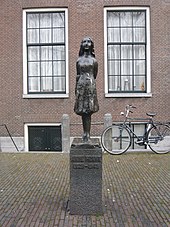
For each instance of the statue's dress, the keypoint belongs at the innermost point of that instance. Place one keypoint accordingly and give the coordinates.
(85, 91)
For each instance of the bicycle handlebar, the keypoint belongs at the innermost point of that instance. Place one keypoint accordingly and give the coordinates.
(130, 106)
(128, 109)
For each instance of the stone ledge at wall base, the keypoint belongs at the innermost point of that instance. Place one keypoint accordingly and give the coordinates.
(6, 144)
(85, 178)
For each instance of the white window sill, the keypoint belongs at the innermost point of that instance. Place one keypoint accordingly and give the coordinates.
(44, 96)
(128, 95)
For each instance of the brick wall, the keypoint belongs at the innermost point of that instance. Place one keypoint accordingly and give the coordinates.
(85, 18)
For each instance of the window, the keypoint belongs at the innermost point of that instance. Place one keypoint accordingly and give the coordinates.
(43, 137)
(127, 54)
(45, 52)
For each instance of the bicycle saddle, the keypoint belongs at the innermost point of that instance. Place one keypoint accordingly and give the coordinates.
(151, 114)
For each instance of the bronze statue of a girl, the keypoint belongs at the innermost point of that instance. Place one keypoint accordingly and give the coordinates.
(86, 95)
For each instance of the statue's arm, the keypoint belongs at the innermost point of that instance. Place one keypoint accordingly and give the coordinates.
(95, 69)
(78, 71)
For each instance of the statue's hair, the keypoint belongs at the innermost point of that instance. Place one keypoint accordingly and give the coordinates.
(81, 51)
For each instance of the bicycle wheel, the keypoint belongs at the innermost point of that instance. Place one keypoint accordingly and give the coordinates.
(159, 139)
(116, 139)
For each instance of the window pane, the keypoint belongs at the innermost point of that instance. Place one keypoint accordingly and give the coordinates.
(126, 83)
(113, 52)
(34, 69)
(58, 19)
(126, 19)
(46, 53)
(114, 83)
(58, 53)
(114, 67)
(139, 51)
(59, 68)
(126, 67)
(45, 36)
(33, 36)
(113, 35)
(139, 67)
(139, 34)
(34, 84)
(59, 84)
(32, 20)
(139, 19)
(126, 34)
(45, 20)
(46, 68)
(58, 35)
(139, 83)
(126, 52)
(46, 84)
(33, 53)
(113, 19)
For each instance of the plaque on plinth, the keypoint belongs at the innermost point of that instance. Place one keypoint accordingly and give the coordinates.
(85, 178)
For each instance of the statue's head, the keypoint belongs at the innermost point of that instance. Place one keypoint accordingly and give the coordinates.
(87, 44)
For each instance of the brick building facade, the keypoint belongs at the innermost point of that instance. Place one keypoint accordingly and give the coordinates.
(141, 27)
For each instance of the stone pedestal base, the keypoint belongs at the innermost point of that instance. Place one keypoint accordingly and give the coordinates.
(86, 178)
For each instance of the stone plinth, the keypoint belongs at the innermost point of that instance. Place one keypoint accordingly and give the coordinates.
(85, 178)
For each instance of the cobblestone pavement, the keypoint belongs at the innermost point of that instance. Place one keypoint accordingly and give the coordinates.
(34, 191)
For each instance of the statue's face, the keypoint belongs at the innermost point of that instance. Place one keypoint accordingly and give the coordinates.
(87, 44)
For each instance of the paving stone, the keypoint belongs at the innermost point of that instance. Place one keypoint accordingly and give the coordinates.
(34, 191)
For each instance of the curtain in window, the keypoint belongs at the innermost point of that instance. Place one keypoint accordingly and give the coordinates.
(46, 52)
(126, 50)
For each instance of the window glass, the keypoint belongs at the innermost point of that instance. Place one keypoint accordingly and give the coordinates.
(33, 20)
(58, 20)
(45, 20)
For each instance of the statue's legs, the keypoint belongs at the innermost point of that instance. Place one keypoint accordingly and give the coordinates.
(86, 119)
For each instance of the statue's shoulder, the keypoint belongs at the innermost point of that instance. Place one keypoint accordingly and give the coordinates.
(78, 60)
(95, 61)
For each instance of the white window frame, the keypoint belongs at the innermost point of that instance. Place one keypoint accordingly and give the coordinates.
(148, 52)
(25, 73)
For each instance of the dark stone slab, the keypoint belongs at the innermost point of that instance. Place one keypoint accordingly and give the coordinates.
(86, 178)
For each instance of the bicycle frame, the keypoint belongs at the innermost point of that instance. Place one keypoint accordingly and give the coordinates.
(141, 140)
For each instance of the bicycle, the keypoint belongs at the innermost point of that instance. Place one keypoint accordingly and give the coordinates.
(117, 138)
